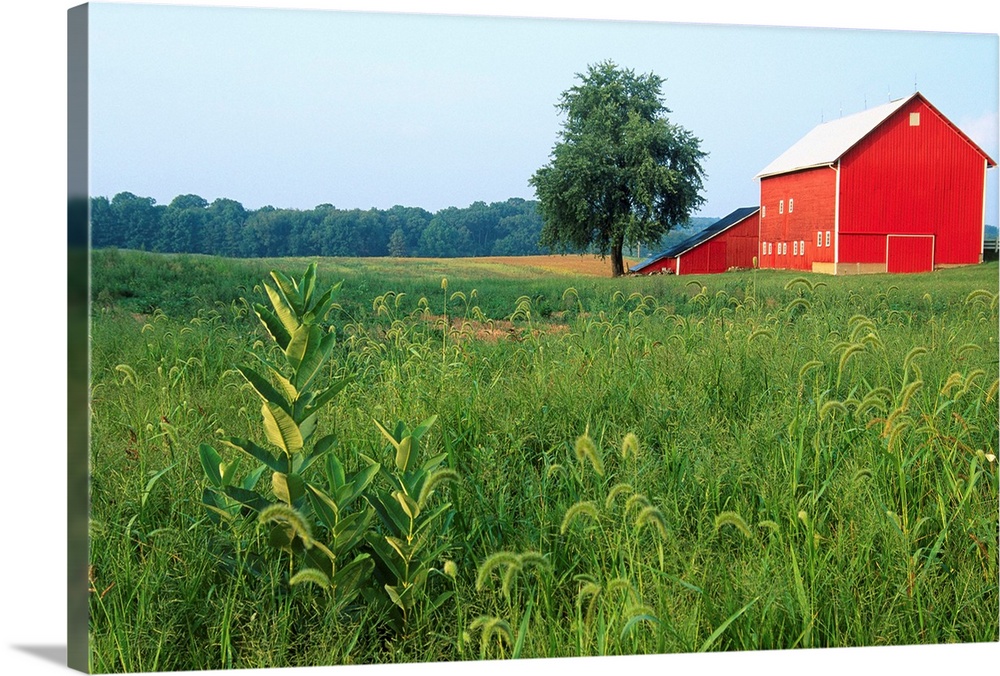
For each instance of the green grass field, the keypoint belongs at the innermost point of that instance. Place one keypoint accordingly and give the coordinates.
(744, 461)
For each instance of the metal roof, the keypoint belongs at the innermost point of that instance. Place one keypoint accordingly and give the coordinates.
(691, 242)
(827, 142)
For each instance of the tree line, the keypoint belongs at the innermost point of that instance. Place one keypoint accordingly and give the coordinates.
(224, 227)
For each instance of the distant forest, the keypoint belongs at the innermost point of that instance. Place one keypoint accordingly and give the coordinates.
(190, 224)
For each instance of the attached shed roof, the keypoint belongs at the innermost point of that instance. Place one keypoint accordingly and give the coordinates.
(828, 142)
(691, 242)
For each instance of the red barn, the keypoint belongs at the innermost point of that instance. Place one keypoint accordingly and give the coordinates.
(728, 243)
(897, 188)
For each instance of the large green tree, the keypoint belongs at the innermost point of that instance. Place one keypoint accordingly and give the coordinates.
(621, 172)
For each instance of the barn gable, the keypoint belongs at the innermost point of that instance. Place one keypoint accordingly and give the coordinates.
(828, 142)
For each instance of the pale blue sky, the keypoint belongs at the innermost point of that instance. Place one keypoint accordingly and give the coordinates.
(298, 108)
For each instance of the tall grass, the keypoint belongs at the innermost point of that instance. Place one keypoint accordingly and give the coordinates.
(750, 461)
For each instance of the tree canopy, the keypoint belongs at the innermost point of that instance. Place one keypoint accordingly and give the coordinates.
(621, 172)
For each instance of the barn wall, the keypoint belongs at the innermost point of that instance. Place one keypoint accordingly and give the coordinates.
(732, 248)
(814, 198)
(660, 266)
(906, 179)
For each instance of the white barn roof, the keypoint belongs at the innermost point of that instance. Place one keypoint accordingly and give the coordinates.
(826, 143)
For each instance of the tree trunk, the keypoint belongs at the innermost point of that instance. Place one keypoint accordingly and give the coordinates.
(617, 264)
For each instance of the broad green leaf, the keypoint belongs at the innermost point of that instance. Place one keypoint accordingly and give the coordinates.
(304, 338)
(423, 427)
(324, 507)
(315, 357)
(282, 309)
(280, 429)
(350, 578)
(403, 453)
(386, 555)
(210, 461)
(399, 546)
(291, 394)
(274, 326)
(325, 302)
(289, 288)
(307, 427)
(329, 393)
(263, 388)
(215, 506)
(395, 596)
(308, 285)
(359, 482)
(251, 499)
(393, 440)
(391, 514)
(407, 503)
(251, 480)
(288, 488)
(351, 529)
(261, 454)
(229, 470)
(334, 471)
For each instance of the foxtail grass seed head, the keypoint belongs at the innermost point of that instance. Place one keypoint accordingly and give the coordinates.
(284, 514)
(830, 407)
(630, 446)
(450, 569)
(533, 558)
(587, 450)
(616, 490)
(433, 481)
(492, 562)
(636, 500)
(809, 366)
(732, 519)
(908, 361)
(651, 516)
(311, 576)
(554, 469)
(582, 508)
(991, 393)
(759, 333)
(770, 525)
(848, 353)
(908, 393)
(953, 380)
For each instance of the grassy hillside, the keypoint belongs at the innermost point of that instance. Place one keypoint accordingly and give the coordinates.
(744, 461)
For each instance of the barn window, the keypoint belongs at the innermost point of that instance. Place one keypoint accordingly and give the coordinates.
(827, 238)
(770, 248)
(763, 210)
(795, 246)
(791, 203)
(819, 238)
(802, 247)
(763, 248)
(781, 207)
(914, 119)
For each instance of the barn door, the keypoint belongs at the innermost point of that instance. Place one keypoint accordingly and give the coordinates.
(909, 253)
(717, 256)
